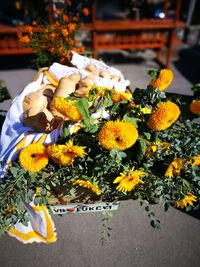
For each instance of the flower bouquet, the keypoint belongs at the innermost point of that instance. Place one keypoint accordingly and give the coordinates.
(79, 135)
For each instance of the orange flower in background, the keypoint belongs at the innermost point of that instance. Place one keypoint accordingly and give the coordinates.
(72, 27)
(195, 107)
(58, 11)
(25, 39)
(164, 79)
(86, 11)
(51, 49)
(65, 18)
(53, 35)
(29, 29)
(64, 32)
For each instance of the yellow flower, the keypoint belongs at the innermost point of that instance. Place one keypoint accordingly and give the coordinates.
(187, 200)
(128, 181)
(153, 147)
(164, 79)
(68, 109)
(195, 107)
(99, 91)
(195, 161)
(88, 185)
(175, 168)
(65, 154)
(164, 116)
(117, 134)
(34, 157)
(120, 96)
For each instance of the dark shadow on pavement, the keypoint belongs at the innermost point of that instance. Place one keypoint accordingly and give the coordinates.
(11, 62)
(189, 63)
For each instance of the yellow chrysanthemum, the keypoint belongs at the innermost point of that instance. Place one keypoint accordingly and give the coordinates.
(120, 96)
(117, 134)
(68, 109)
(34, 157)
(195, 161)
(153, 147)
(164, 116)
(175, 168)
(164, 79)
(88, 185)
(65, 154)
(187, 200)
(195, 107)
(128, 181)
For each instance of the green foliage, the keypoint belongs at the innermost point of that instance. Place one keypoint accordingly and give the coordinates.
(4, 95)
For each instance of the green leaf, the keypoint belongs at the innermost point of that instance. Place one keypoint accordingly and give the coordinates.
(141, 145)
(83, 108)
(132, 120)
(154, 74)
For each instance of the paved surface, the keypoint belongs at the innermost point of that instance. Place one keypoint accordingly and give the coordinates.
(133, 242)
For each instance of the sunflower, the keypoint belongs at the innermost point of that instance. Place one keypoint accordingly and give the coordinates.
(65, 154)
(88, 185)
(68, 109)
(175, 168)
(164, 116)
(153, 147)
(128, 181)
(195, 107)
(117, 134)
(164, 79)
(187, 200)
(34, 157)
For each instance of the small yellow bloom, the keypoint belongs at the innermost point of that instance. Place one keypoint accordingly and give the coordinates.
(164, 116)
(117, 134)
(175, 168)
(164, 80)
(120, 96)
(128, 181)
(187, 200)
(34, 157)
(68, 109)
(195, 161)
(65, 154)
(88, 185)
(153, 147)
(195, 107)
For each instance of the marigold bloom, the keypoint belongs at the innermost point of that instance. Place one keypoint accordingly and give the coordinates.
(65, 154)
(195, 107)
(128, 181)
(68, 109)
(86, 11)
(164, 79)
(88, 185)
(53, 35)
(187, 200)
(153, 147)
(175, 168)
(164, 116)
(117, 134)
(34, 157)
